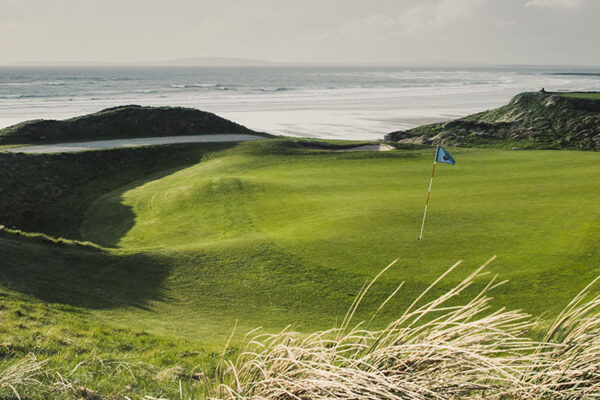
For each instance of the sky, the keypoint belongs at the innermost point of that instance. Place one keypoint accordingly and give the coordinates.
(537, 32)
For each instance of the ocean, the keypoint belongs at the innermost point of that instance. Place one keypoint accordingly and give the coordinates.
(323, 102)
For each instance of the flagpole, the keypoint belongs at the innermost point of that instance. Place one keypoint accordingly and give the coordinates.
(428, 194)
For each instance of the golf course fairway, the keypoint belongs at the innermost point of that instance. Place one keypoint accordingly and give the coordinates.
(270, 233)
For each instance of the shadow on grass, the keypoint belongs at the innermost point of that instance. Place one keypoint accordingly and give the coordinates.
(80, 275)
(107, 219)
(50, 193)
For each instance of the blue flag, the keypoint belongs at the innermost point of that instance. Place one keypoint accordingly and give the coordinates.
(443, 156)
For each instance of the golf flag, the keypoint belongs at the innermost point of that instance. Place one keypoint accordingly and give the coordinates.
(443, 156)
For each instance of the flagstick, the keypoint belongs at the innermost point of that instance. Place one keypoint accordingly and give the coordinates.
(428, 194)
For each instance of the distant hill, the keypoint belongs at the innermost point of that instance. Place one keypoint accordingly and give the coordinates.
(121, 122)
(179, 62)
(531, 120)
(213, 61)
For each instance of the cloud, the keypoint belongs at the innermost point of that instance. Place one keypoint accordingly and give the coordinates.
(553, 3)
(424, 16)
(432, 17)
(9, 26)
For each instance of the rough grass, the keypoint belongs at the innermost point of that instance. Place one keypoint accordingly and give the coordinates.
(122, 122)
(78, 357)
(20, 373)
(434, 350)
(451, 346)
(531, 120)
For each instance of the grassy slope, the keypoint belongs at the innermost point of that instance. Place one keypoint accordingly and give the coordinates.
(273, 234)
(48, 288)
(529, 121)
(114, 361)
(78, 274)
(37, 189)
(583, 95)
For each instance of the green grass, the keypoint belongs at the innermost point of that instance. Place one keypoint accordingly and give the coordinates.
(530, 121)
(37, 189)
(582, 95)
(80, 352)
(186, 241)
(9, 146)
(273, 234)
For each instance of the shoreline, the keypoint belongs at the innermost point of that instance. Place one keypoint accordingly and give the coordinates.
(325, 103)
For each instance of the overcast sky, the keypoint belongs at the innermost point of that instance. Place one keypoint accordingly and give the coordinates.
(333, 31)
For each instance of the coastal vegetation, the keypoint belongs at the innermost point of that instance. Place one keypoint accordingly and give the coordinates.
(138, 273)
(541, 120)
(123, 122)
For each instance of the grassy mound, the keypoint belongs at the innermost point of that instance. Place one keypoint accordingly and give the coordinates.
(124, 122)
(539, 120)
(36, 190)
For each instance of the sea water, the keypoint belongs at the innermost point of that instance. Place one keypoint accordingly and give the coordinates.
(324, 102)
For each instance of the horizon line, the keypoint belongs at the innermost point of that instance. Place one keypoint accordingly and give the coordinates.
(247, 62)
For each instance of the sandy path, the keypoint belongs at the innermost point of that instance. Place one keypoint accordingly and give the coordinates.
(362, 147)
(369, 147)
(122, 143)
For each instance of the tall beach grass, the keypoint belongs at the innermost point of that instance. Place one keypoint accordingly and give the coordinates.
(20, 373)
(446, 348)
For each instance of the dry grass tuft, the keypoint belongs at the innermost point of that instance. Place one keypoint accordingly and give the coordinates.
(567, 360)
(21, 373)
(435, 350)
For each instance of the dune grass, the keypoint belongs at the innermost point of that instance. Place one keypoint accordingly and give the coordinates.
(434, 350)
(20, 373)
